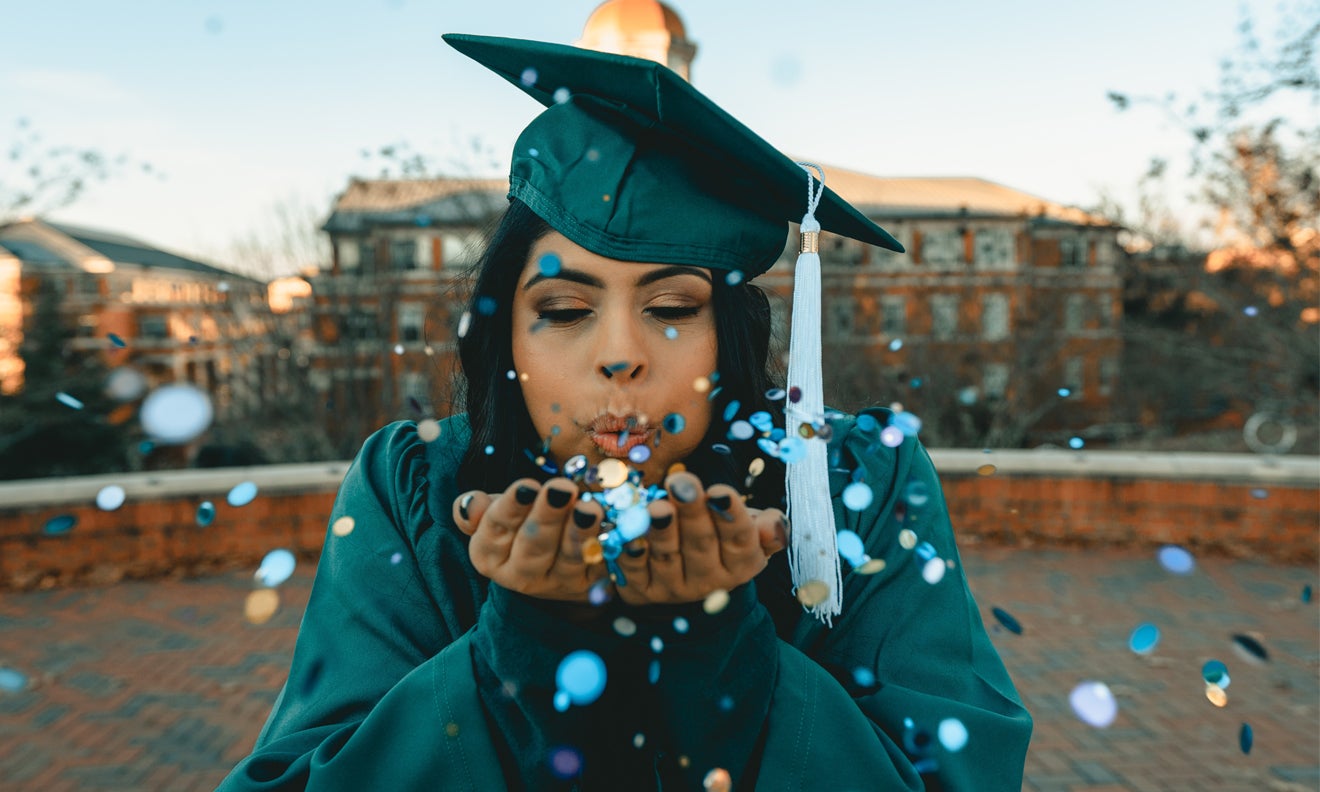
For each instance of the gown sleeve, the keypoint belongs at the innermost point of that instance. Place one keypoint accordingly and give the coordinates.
(371, 699)
(909, 651)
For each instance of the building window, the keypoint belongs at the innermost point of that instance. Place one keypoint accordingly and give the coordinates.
(994, 247)
(1074, 375)
(348, 255)
(87, 325)
(994, 316)
(1074, 313)
(360, 327)
(1108, 375)
(458, 250)
(942, 248)
(841, 317)
(403, 254)
(894, 321)
(1072, 252)
(944, 316)
(412, 318)
(153, 327)
(366, 256)
(994, 380)
(888, 259)
(1104, 311)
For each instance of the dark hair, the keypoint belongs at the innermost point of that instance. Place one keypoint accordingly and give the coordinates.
(494, 402)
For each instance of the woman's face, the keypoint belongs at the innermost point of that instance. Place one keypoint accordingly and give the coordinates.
(606, 349)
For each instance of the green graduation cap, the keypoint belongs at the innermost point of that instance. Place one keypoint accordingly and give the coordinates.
(633, 163)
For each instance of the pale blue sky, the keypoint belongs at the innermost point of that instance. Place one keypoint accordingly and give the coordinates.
(243, 104)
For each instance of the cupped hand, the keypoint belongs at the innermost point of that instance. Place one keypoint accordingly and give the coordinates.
(529, 538)
(699, 542)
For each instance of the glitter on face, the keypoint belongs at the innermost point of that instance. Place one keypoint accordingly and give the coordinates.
(1144, 639)
(671, 333)
(343, 526)
(110, 498)
(1176, 560)
(1094, 704)
(275, 568)
(581, 675)
(549, 264)
(242, 494)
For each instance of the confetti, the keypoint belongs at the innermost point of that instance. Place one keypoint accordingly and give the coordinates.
(907, 538)
(261, 605)
(1144, 639)
(68, 401)
(176, 414)
(812, 593)
(1216, 695)
(1214, 672)
(1176, 560)
(715, 601)
(1094, 704)
(60, 525)
(857, 496)
(117, 341)
(205, 513)
(1245, 738)
(1006, 619)
(1250, 649)
(581, 675)
(952, 734)
(986, 470)
(12, 680)
(933, 571)
(110, 498)
(428, 430)
(276, 567)
(565, 763)
(343, 526)
(717, 780)
(242, 494)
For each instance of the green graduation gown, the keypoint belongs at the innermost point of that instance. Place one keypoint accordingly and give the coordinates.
(411, 671)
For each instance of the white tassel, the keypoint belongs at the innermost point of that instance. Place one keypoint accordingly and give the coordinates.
(813, 556)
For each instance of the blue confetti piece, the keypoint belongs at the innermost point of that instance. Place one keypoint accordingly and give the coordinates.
(1006, 619)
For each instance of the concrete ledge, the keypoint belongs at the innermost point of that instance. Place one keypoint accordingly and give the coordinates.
(1296, 471)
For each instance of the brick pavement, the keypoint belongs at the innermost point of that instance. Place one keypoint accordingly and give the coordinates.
(163, 685)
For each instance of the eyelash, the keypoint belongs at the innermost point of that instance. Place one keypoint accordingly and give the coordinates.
(570, 315)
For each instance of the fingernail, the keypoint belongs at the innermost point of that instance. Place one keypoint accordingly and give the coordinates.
(719, 502)
(635, 552)
(586, 519)
(683, 491)
(524, 494)
(662, 522)
(463, 505)
(557, 498)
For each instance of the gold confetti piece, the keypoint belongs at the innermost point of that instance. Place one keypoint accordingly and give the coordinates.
(717, 780)
(451, 729)
(871, 567)
(716, 601)
(677, 467)
(428, 429)
(1216, 695)
(683, 761)
(701, 384)
(807, 431)
(813, 593)
(907, 538)
(986, 470)
(592, 552)
(612, 472)
(343, 526)
(261, 605)
(757, 467)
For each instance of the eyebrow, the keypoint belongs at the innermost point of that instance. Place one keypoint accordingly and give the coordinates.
(577, 276)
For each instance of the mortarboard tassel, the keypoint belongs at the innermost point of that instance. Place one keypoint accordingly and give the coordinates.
(813, 556)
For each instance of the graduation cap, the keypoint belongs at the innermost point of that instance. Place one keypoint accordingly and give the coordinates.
(631, 162)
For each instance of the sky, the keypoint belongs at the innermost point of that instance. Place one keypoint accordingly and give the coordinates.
(242, 107)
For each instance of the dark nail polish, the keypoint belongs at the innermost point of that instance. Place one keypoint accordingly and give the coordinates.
(525, 494)
(720, 502)
(662, 522)
(635, 552)
(583, 519)
(557, 498)
(463, 505)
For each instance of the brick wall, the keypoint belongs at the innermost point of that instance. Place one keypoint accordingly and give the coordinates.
(1237, 505)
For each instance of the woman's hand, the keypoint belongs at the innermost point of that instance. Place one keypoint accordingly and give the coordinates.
(698, 542)
(528, 539)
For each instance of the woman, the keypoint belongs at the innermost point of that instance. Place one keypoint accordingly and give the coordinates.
(517, 607)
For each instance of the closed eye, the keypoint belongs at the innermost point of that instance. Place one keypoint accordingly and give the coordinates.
(671, 314)
(563, 315)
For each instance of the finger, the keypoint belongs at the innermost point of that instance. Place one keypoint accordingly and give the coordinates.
(492, 541)
(536, 544)
(699, 545)
(663, 558)
(771, 530)
(468, 509)
(583, 524)
(739, 545)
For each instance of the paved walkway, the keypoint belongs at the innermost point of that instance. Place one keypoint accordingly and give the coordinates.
(164, 685)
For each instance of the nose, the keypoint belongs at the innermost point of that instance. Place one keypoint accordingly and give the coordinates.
(621, 351)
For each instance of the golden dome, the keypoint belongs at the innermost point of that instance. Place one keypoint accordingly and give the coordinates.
(630, 17)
